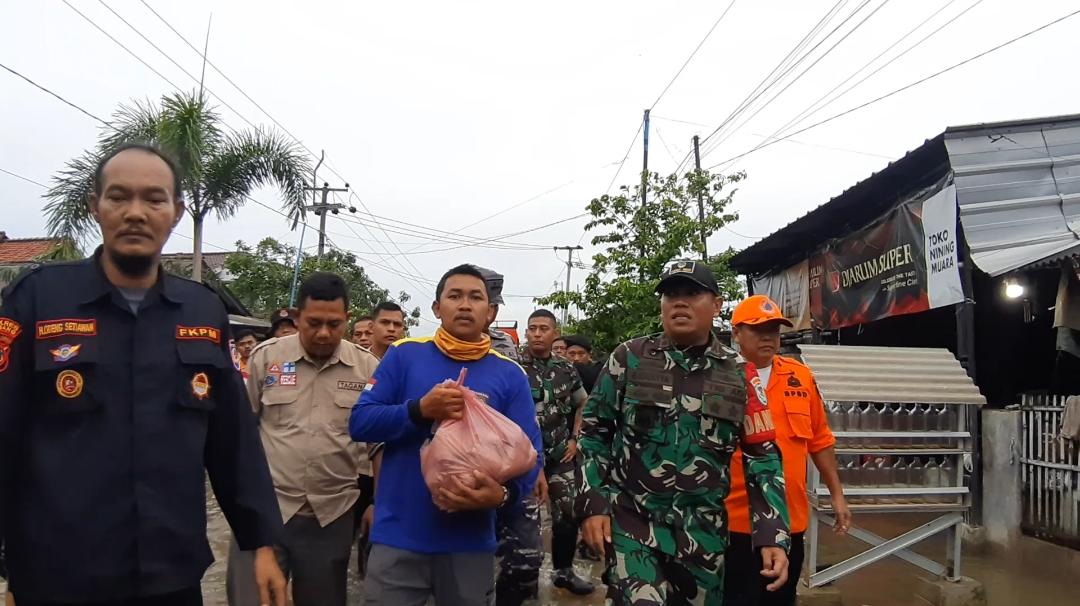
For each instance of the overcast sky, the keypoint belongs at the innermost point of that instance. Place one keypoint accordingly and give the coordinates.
(440, 114)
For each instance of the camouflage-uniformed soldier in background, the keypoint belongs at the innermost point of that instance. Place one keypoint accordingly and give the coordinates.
(500, 341)
(559, 397)
(658, 435)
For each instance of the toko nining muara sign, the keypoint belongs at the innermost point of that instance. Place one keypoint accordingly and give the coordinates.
(906, 262)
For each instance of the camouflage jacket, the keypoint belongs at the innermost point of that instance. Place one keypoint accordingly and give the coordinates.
(557, 392)
(659, 432)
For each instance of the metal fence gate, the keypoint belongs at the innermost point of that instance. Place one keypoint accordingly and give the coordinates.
(1050, 473)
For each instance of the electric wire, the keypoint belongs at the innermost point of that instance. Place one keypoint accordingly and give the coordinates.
(720, 141)
(905, 87)
(692, 54)
(174, 232)
(226, 77)
(393, 243)
(121, 45)
(810, 110)
(27, 179)
(287, 132)
(57, 96)
(710, 144)
(180, 67)
(625, 157)
(765, 82)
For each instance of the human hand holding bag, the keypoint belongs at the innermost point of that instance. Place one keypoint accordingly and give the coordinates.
(481, 440)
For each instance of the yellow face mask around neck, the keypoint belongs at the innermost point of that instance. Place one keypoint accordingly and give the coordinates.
(456, 349)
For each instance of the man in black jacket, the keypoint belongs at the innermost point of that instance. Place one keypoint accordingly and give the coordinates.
(117, 393)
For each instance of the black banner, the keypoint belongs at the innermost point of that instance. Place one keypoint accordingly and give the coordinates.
(884, 270)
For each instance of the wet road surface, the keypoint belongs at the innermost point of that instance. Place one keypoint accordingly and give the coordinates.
(1035, 574)
(219, 534)
(1039, 578)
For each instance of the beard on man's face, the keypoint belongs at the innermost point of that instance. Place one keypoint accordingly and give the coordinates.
(133, 266)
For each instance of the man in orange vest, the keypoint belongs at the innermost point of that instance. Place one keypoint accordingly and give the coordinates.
(801, 429)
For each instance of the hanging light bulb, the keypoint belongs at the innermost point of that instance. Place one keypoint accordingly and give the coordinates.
(1013, 289)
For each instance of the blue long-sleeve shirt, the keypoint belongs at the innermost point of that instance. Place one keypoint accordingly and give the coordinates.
(389, 412)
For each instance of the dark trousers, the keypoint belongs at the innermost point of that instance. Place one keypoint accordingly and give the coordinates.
(563, 545)
(367, 498)
(191, 596)
(743, 583)
(520, 552)
(314, 557)
(563, 480)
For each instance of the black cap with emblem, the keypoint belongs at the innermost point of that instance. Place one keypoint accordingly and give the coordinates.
(494, 282)
(686, 270)
(285, 314)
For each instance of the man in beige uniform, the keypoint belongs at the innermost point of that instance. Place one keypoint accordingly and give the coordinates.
(302, 388)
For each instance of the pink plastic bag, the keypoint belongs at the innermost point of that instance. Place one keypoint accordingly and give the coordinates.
(483, 439)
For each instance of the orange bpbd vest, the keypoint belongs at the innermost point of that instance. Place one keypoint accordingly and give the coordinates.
(757, 423)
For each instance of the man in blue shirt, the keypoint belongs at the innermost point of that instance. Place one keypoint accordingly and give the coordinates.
(440, 545)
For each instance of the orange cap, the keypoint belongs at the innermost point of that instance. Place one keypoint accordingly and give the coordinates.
(758, 309)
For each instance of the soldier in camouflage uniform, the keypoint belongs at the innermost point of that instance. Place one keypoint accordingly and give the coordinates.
(658, 435)
(500, 341)
(520, 551)
(559, 397)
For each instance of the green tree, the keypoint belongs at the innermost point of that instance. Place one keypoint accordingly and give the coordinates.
(618, 301)
(262, 277)
(219, 170)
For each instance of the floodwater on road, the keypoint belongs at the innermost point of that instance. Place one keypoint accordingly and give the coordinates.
(1041, 577)
(1035, 573)
(220, 535)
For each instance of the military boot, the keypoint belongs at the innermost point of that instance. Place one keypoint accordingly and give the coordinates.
(567, 579)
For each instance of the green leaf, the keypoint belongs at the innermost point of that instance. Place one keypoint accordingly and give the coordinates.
(618, 300)
(218, 170)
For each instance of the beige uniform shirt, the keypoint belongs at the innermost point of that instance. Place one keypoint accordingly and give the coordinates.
(303, 412)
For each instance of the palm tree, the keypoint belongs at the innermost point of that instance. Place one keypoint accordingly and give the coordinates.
(219, 170)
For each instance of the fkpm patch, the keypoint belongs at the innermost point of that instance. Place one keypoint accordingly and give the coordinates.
(199, 333)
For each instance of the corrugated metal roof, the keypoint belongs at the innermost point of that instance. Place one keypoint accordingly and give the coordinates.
(1018, 189)
(1067, 256)
(890, 374)
(239, 320)
(856, 207)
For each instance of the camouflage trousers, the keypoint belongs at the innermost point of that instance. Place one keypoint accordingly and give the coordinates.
(521, 549)
(645, 576)
(563, 481)
(520, 553)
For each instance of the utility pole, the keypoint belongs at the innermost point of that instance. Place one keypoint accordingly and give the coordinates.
(700, 204)
(645, 160)
(644, 189)
(569, 264)
(321, 208)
